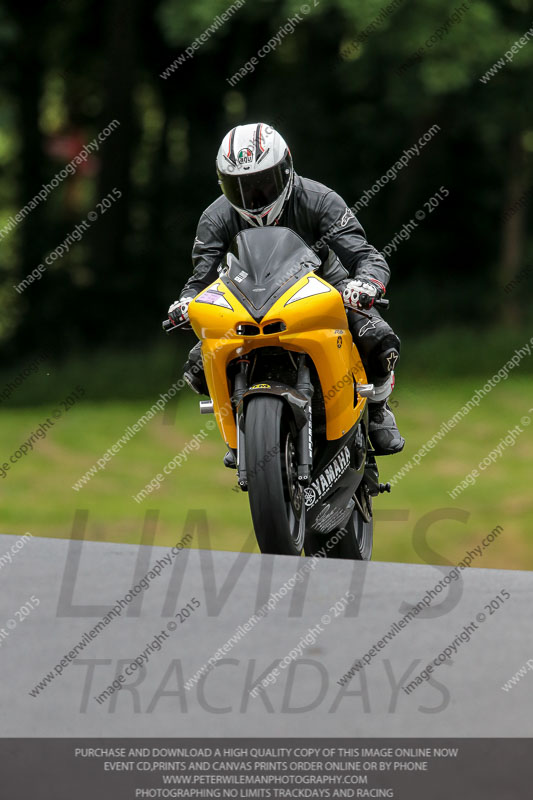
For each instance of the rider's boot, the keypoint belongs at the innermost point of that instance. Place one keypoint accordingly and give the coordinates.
(193, 371)
(229, 460)
(196, 381)
(383, 432)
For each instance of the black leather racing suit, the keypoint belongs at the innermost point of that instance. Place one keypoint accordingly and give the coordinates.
(323, 220)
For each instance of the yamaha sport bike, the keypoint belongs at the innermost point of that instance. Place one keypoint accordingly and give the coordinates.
(289, 394)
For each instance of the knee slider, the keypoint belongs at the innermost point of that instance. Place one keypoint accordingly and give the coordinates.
(388, 360)
(384, 357)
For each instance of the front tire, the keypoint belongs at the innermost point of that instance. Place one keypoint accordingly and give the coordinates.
(276, 498)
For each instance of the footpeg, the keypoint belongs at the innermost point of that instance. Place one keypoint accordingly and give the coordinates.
(384, 487)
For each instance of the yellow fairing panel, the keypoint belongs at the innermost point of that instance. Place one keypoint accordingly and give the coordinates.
(315, 325)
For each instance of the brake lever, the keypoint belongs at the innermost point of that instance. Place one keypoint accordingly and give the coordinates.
(382, 303)
(169, 326)
(358, 311)
(379, 303)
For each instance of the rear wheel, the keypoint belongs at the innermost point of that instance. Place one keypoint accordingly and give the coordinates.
(353, 541)
(276, 498)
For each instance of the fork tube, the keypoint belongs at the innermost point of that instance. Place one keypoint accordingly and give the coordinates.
(305, 436)
(241, 385)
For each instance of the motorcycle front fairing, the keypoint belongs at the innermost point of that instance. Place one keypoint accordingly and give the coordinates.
(268, 295)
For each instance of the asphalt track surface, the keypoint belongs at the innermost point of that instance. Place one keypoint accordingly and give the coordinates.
(69, 579)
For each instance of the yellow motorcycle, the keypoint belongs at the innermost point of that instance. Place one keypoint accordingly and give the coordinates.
(289, 394)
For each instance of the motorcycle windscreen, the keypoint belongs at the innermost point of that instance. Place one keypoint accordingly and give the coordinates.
(263, 262)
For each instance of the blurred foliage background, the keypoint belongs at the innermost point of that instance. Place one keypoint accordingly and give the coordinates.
(350, 89)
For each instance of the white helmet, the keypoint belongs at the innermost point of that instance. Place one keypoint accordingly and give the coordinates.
(255, 172)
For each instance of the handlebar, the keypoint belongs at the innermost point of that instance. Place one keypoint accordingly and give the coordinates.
(169, 326)
(384, 304)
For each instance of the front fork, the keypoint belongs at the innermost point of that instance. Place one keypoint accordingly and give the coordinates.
(240, 387)
(305, 435)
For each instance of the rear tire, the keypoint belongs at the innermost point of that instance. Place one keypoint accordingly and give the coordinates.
(353, 541)
(276, 498)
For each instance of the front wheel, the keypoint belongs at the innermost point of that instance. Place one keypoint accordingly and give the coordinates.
(353, 541)
(276, 498)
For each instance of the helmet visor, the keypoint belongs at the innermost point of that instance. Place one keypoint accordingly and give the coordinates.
(257, 190)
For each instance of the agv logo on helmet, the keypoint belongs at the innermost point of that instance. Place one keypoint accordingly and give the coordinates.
(245, 156)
